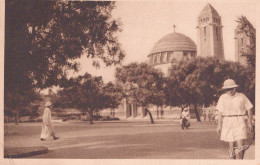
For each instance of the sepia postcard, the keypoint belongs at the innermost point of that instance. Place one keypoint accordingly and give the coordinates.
(135, 82)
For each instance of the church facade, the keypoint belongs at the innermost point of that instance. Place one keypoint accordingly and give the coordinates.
(176, 47)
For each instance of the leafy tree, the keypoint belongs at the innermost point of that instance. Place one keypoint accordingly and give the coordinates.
(113, 95)
(159, 97)
(142, 83)
(43, 38)
(23, 104)
(83, 93)
(247, 28)
(199, 81)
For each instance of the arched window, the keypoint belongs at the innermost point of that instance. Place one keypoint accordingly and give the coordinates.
(161, 57)
(169, 56)
(192, 55)
(205, 33)
(217, 33)
(185, 56)
(151, 58)
(155, 58)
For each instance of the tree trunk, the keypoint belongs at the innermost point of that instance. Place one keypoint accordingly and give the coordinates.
(143, 112)
(197, 113)
(157, 112)
(16, 118)
(150, 114)
(162, 112)
(91, 116)
(113, 111)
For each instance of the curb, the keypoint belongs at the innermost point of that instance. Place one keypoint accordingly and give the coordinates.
(21, 152)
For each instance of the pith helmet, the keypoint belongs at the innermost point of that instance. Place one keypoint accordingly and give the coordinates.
(48, 103)
(229, 83)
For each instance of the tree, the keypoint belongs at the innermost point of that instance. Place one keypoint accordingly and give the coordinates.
(23, 103)
(113, 95)
(142, 83)
(199, 81)
(43, 39)
(180, 92)
(83, 93)
(247, 28)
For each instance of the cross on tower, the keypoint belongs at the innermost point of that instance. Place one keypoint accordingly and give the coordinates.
(174, 27)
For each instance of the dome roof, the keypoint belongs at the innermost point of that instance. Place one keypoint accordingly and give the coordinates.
(174, 42)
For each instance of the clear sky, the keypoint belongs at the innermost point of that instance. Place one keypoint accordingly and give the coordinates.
(145, 22)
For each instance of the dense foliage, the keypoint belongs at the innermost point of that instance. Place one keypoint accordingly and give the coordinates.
(43, 39)
(247, 28)
(88, 94)
(142, 84)
(199, 81)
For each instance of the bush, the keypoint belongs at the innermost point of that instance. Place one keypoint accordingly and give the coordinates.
(108, 118)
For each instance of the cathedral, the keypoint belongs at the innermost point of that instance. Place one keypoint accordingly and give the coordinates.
(176, 47)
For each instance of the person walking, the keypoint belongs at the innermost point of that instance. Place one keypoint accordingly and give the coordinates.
(47, 127)
(204, 115)
(210, 116)
(185, 118)
(233, 108)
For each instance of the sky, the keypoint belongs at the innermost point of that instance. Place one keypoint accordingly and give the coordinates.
(145, 22)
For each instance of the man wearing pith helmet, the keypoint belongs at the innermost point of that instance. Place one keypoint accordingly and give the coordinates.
(233, 108)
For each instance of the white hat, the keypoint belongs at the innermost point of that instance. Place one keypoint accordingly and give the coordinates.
(48, 103)
(229, 83)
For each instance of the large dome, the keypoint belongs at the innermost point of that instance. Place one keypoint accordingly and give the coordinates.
(174, 42)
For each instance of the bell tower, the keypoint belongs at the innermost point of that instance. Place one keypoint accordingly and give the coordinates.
(243, 42)
(209, 31)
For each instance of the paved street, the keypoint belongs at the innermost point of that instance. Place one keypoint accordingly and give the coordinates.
(123, 140)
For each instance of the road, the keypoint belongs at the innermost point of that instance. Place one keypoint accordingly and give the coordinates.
(123, 140)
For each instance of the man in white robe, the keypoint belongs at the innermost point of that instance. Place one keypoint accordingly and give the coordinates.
(47, 127)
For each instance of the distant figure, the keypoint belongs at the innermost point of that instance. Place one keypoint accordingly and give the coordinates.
(204, 116)
(185, 119)
(215, 116)
(210, 116)
(47, 127)
(162, 112)
(233, 107)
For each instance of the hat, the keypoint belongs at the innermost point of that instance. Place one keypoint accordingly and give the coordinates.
(229, 83)
(48, 103)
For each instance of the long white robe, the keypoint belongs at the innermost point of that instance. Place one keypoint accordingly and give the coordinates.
(47, 127)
